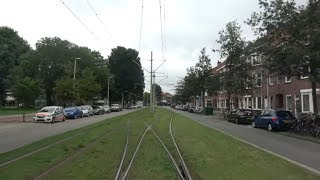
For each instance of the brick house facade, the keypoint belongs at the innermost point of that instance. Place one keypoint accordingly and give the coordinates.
(276, 92)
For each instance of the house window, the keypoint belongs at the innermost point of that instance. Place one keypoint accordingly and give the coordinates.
(306, 103)
(289, 102)
(254, 103)
(287, 79)
(278, 80)
(258, 80)
(249, 103)
(304, 77)
(270, 80)
(209, 103)
(256, 60)
(259, 102)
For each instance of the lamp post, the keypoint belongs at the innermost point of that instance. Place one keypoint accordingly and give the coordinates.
(108, 96)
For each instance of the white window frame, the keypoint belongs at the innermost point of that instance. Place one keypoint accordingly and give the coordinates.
(308, 92)
(256, 79)
(287, 80)
(270, 80)
(289, 95)
(304, 77)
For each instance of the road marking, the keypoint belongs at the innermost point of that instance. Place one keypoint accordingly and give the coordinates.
(263, 149)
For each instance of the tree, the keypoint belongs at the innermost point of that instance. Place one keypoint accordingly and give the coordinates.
(127, 73)
(87, 87)
(146, 98)
(237, 74)
(290, 39)
(158, 91)
(12, 47)
(65, 92)
(26, 90)
(203, 72)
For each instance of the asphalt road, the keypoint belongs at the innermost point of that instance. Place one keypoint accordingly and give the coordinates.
(17, 134)
(303, 152)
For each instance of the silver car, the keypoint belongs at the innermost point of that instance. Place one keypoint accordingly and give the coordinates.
(87, 110)
(106, 109)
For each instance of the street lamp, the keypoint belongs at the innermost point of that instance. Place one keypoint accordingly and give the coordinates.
(108, 97)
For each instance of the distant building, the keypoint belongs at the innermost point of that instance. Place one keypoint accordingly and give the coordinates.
(166, 98)
(270, 91)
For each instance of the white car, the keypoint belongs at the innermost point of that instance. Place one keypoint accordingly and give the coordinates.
(87, 110)
(49, 114)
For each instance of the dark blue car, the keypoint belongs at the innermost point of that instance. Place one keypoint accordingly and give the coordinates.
(273, 120)
(73, 112)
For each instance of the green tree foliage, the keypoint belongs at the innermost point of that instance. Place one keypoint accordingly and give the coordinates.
(11, 48)
(237, 76)
(65, 92)
(26, 90)
(203, 72)
(127, 73)
(290, 39)
(87, 87)
(52, 64)
(158, 91)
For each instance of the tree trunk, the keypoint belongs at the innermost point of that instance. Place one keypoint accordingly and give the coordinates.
(314, 97)
(49, 100)
(228, 102)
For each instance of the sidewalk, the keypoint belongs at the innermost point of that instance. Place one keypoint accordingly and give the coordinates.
(16, 118)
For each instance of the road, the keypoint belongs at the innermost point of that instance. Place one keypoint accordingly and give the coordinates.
(303, 152)
(16, 134)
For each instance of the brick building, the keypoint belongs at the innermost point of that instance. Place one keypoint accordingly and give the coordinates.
(270, 91)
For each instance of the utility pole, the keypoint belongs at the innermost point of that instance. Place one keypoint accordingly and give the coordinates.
(151, 84)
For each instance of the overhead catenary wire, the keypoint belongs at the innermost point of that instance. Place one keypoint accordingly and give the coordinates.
(96, 14)
(83, 24)
(141, 20)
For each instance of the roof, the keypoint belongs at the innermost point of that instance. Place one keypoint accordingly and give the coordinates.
(219, 66)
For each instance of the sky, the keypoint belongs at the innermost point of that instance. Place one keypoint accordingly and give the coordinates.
(188, 26)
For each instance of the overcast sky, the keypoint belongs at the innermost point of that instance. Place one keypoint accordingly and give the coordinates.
(189, 25)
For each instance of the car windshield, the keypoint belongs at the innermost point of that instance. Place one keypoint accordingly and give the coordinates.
(84, 107)
(115, 105)
(284, 114)
(48, 109)
(70, 108)
(95, 107)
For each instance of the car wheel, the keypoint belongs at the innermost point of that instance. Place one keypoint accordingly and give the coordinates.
(270, 128)
(53, 120)
(237, 121)
(253, 124)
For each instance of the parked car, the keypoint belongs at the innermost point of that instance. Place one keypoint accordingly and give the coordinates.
(73, 112)
(106, 109)
(240, 116)
(98, 110)
(115, 107)
(87, 110)
(274, 120)
(49, 114)
(198, 110)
